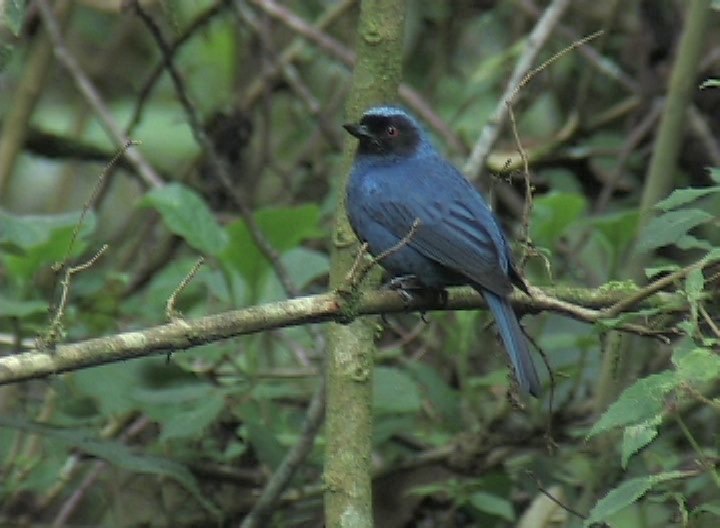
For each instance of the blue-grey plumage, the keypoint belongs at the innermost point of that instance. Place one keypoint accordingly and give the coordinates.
(398, 179)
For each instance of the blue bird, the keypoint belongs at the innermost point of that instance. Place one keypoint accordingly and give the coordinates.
(399, 180)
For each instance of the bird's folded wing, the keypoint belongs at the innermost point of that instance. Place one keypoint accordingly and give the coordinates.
(451, 234)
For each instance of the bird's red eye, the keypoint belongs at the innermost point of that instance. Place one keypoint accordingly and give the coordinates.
(391, 131)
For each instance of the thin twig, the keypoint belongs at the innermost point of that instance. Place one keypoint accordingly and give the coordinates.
(92, 96)
(198, 23)
(292, 461)
(315, 412)
(631, 300)
(170, 312)
(604, 65)
(352, 272)
(528, 203)
(55, 331)
(358, 271)
(292, 52)
(535, 40)
(90, 202)
(214, 160)
(550, 496)
(709, 321)
(345, 55)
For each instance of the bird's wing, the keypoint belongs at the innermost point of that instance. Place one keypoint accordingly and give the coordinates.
(456, 228)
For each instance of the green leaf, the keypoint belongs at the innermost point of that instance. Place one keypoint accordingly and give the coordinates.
(443, 398)
(694, 283)
(492, 504)
(670, 227)
(628, 493)
(388, 425)
(640, 402)
(109, 386)
(13, 308)
(118, 455)
(635, 437)
(554, 213)
(25, 232)
(6, 51)
(681, 197)
(693, 242)
(192, 421)
(283, 228)
(714, 173)
(618, 229)
(667, 268)
(267, 447)
(35, 242)
(187, 215)
(394, 392)
(13, 14)
(697, 366)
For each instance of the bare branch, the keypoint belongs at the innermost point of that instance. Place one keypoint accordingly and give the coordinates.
(170, 312)
(92, 96)
(536, 40)
(581, 304)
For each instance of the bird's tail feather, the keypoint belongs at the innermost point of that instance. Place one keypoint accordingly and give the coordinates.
(515, 343)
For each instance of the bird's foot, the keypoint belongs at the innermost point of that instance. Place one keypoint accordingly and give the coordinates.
(409, 287)
(404, 285)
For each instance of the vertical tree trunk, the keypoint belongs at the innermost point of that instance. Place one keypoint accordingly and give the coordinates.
(348, 497)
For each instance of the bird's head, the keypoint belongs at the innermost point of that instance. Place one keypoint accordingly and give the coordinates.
(387, 131)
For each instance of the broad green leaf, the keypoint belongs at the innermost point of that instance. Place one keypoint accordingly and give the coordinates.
(695, 284)
(13, 14)
(692, 242)
(621, 497)
(109, 386)
(640, 402)
(553, 214)
(635, 437)
(34, 242)
(116, 454)
(670, 227)
(443, 398)
(617, 231)
(714, 174)
(13, 308)
(386, 426)
(192, 421)
(29, 231)
(283, 229)
(33, 251)
(188, 216)
(698, 366)
(681, 197)
(492, 504)
(394, 392)
(628, 493)
(267, 447)
(6, 51)
(667, 268)
(303, 265)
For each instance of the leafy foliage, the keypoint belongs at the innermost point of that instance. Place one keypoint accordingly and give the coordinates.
(629, 440)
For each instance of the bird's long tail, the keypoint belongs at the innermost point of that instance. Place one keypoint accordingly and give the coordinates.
(515, 343)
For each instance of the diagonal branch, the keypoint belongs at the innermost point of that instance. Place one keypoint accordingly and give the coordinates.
(92, 96)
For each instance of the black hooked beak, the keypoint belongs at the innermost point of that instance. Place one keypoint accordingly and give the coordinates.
(357, 130)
